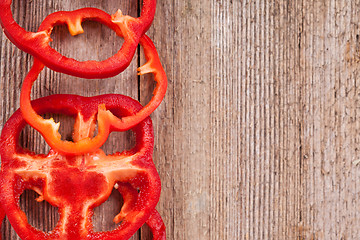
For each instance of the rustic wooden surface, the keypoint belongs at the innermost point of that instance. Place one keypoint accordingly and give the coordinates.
(258, 135)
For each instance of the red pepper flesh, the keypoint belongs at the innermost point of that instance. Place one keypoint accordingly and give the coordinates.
(107, 122)
(37, 44)
(155, 221)
(157, 226)
(77, 184)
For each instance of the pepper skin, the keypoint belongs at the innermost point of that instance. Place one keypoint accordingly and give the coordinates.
(37, 44)
(107, 122)
(77, 184)
(155, 221)
(157, 226)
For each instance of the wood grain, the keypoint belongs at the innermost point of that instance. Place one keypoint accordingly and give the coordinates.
(258, 135)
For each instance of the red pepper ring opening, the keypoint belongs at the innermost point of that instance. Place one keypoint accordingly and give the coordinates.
(37, 44)
(77, 184)
(107, 122)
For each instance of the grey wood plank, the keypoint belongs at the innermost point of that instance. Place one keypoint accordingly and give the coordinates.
(181, 32)
(284, 88)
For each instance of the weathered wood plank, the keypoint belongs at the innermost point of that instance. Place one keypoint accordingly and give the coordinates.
(330, 65)
(284, 116)
(181, 32)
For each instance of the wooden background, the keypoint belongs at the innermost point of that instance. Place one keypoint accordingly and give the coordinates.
(258, 135)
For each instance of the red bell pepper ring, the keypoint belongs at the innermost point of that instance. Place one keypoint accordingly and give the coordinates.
(77, 184)
(157, 226)
(37, 44)
(107, 122)
(129, 195)
(155, 222)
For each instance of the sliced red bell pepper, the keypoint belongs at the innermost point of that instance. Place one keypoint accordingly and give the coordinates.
(77, 184)
(37, 44)
(107, 122)
(157, 226)
(130, 196)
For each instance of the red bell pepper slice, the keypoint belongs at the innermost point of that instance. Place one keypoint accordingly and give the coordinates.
(77, 184)
(37, 44)
(157, 226)
(155, 221)
(107, 122)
